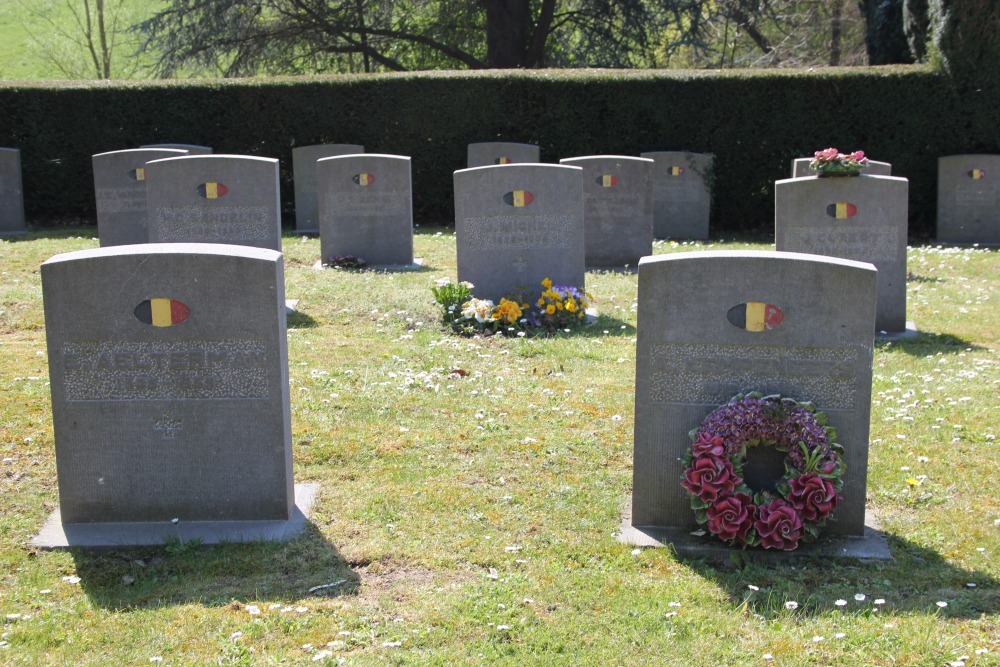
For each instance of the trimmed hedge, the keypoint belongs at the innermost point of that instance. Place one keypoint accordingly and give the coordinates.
(755, 122)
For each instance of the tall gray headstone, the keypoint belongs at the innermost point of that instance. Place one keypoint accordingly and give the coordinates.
(516, 225)
(366, 208)
(304, 173)
(11, 193)
(214, 199)
(501, 152)
(617, 208)
(682, 194)
(192, 149)
(800, 168)
(969, 199)
(863, 218)
(120, 192)
(169, 377)
(691, 359)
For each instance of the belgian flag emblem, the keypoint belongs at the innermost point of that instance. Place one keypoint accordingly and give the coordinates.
(676, 171)
(842, 210)
(161, 312)
(977, 174)
(138, 174)
(212, 190)
(607, 181)
(503, 160)
(518, 198)
(363, 178)
(755, 316)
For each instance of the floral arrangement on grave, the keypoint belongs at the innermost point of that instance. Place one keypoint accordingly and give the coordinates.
(558, 307)
(795, 511)
(831, 162)
(346, 262)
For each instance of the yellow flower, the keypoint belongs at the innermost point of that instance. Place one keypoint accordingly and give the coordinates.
(541, 302)
(547, 283)
(550, 309)
(571, 306)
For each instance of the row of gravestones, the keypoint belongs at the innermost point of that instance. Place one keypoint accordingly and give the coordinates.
(171, 405)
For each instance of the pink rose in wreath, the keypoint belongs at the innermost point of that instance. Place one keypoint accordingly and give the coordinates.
(812, 496)
(732, 518)
(707, 444)
(710, 477)
(778, 525)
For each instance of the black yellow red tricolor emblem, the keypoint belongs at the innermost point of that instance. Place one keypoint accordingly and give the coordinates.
(212, 190)
(503, 160)
(676, 171)
(755, 316)
(161, 312)
(976, 174)
(364, 178)
(518, 198)
(138, 174)
(842, 210)
(607, 181)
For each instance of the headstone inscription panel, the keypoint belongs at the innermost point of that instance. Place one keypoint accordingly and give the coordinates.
(169, 377)
(800, 168)
(617, 208)
(214, 199)
(304, 173)
(691, 358)
(969, 199)
(120, 192)
(863, 218)
(366, 208)
(500, 152)
(11, 192)
(682, 194)
(518, 224)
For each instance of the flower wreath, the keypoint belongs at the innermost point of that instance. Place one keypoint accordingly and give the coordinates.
(806, 495)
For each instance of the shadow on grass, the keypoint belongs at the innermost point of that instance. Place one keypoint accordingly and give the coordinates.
(926, 344)
(299, 320)
(915, 581)
(137, 578)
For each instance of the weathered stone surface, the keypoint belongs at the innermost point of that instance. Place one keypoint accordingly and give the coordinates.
(518, 224)
(969, 199)
(863, 218)
(120, 191)
(682, 194)
(800, 168)
(169, 378)
(214, 199)
(501, 152)
(366, 208)
(304, 171)
(690, 359)
(11, 193)
(617, 208)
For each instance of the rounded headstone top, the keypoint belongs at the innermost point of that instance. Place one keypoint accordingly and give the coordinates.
(229, 250)
(754, 254)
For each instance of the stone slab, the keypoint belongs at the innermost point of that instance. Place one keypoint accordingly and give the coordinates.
(518, 224)
(304, 174)
(120, 192)
(57, 535)
(800, 168)
(490, 153)
(968, 209)
(229, 199)
(682, 194)
(11, 193)
(691, 359)
(863, 218)
(617, 209)
(191, 149)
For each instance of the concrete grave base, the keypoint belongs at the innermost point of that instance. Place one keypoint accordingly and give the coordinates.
(873, 546)
(909, 332)
(56, 535)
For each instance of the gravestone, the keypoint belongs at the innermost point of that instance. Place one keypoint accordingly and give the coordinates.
(192, 149)
(11, 193)
(120, 192)
(516, 225)
(969, 199)
(617, 209)
(170, 402)
(366, 208)
(214, 199)
(692, 357)
(500, 152)
(682, 194)
(304, 172)
(800, 168)
(863, 218)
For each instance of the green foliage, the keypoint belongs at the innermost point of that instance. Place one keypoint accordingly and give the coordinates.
(967, 36)
(886, 40)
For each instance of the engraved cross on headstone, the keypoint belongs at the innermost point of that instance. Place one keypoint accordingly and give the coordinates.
(168, 425)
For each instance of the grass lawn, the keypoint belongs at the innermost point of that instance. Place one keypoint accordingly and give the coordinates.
(471, 518)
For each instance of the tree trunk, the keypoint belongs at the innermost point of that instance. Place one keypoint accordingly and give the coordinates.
(507, 32)
(836, 17)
